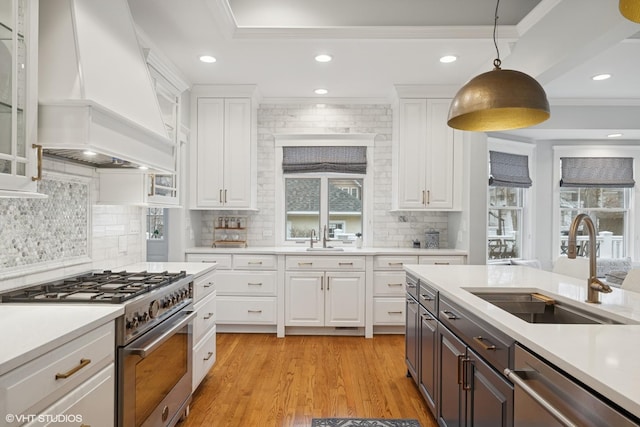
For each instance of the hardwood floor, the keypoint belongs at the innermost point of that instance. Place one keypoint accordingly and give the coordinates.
(263, 381)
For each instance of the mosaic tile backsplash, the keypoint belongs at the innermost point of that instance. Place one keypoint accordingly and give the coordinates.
(34, 231)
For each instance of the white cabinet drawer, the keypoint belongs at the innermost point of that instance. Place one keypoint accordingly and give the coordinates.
(328, 263)
(34, 386)
(223, 261)
(246, 282)
(389, 283)
(247, 310)
(93, 401)
(204, 285)
(388, 311)
(253, 262)
(442, 260)
(393, 262)
(204, 357)
(205, 316)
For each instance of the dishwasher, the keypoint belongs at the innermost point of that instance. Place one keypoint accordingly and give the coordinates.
(544, 396)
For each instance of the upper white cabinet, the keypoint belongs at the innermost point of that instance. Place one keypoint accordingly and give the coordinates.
(223, 157)
(19, 167)
(428, 159)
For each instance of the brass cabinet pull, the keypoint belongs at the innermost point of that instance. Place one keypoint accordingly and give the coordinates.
(460, 373)
(152, 191)
(220, 196)
(83, 363)
(394, 312)
(210, 284)
(441, 263)
(225, 195)
(394, 284)
(428, 197)
(423, 198)
(254, 311)
(411, 285)
(300, 264)
(322, 283)
(486, 344)
(328, 283)
(39, 176)
(449, 314)
(208, 316)
(395, 263)
(424, 316)
(209, 354)
(426, 297)
(254, 262)
(345, 263)
(255, 284)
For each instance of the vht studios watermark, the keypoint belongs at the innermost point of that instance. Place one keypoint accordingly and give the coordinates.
(43, 418)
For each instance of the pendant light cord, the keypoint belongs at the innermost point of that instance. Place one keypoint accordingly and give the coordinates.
(496, 62)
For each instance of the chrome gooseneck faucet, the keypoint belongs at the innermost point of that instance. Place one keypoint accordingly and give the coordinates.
(593, 284)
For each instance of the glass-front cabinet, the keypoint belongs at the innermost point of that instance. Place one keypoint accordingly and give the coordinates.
(19, 170)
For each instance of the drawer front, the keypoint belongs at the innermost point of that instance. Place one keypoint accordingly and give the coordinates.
(204, 285)
(93, 400)
(246, 310)
(205, 317)
(255, 262)
(442, 260)
(223, 261)
(320, 262)
(389, 283)
(246, 283)
(204, 357)
(389, 311)
(487, 341)
(36, 381)
(383, 262)
(428, 298)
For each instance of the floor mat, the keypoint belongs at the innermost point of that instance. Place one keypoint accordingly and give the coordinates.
(362, 422)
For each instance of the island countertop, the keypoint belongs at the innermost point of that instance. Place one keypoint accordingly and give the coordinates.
(604, 357)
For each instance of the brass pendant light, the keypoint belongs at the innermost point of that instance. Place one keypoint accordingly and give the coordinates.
(499, 99)
(630, 9)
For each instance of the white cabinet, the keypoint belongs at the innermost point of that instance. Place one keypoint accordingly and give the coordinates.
(325, 291)
(428, 160)
(75, 375)
(20, 169)
(246, 285)
(133, 187)
(388, 289)
(204, 325)
(222, 158)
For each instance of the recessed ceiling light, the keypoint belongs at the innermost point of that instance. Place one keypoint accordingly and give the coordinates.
(324, 57)
(89, 153)
(614, 135)
(448, 59)
(207, 59)
(599, 77)
(321, 91)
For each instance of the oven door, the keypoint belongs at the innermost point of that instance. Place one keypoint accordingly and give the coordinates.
(154, 374)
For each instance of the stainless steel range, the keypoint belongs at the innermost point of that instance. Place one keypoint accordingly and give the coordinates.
(153, 338)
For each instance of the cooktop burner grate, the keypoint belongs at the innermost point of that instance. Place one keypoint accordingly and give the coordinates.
(103, 287)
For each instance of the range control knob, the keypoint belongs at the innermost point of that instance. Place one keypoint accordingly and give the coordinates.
(154, 308)
(133, 322)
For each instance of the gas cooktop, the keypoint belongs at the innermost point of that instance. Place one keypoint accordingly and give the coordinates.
(100, 287)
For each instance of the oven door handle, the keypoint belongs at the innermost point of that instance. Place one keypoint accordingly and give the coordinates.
(148, 349)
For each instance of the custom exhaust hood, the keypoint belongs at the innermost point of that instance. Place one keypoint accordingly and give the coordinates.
(95, 91)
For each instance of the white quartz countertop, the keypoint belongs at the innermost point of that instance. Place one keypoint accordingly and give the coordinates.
(604, 357)
(195, 268)
(31, 330)
(302, 249)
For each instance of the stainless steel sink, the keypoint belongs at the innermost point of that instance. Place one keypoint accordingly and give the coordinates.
(535, 307)
(327, 249)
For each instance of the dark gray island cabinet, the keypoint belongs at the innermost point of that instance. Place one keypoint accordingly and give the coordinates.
(469, 375)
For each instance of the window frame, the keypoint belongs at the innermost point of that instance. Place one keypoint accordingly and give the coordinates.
(288, 140)
(631, 248)
(528, 197)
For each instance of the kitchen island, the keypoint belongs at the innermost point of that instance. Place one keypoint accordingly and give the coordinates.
(601, 356)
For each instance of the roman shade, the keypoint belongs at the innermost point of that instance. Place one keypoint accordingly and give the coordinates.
(509, 170)
(611, 172)
(349, 159)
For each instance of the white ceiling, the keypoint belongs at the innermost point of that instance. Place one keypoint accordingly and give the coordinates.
(377, 44)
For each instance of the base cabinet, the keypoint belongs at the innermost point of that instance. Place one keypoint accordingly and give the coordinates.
(204, 326)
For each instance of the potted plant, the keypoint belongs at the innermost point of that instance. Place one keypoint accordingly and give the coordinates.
(358, 240)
